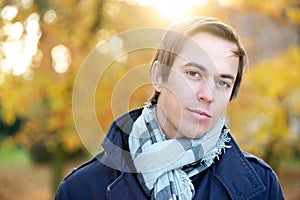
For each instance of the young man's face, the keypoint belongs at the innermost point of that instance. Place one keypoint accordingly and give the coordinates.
(198, 88)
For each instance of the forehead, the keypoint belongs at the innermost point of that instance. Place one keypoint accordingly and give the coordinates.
(209, 41)
(210, 50)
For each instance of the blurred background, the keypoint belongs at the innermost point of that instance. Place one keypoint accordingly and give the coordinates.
(44, 42)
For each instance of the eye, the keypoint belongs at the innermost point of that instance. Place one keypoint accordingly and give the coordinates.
(223, 84)
(193, 74)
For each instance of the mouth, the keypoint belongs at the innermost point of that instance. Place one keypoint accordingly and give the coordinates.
(200, 113)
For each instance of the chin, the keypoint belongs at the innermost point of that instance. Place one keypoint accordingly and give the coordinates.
(199, 134)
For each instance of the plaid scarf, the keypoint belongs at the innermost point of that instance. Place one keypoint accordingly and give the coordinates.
(164, 166)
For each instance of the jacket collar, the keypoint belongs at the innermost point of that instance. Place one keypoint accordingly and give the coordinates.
(115, 143)
(242, 182)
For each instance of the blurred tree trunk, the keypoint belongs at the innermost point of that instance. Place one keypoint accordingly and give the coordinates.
(271, 155)
(57, 167)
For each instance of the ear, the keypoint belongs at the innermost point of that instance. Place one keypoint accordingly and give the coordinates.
(156, 77)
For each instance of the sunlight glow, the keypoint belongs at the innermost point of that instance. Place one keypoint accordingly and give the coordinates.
(172, 8)
(175, 9)
(225, 2)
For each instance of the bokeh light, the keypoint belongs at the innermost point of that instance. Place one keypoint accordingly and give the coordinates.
(50, 16)
(8, 13)
(19, 46)
(61, 58)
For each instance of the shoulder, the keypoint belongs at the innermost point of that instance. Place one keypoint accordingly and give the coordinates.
(261, 167)
(256, 162)
(266, 174)
(92, 177)
(97, 166)
(263, 182)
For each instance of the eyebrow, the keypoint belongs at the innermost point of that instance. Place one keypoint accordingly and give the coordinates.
(228, 76)
(202, 68)
(197, 65)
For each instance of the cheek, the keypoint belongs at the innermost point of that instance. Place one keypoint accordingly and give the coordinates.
(180, 88)
(221, 102)
(171, 106)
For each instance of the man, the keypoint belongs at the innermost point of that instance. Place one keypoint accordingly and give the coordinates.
(177, 146)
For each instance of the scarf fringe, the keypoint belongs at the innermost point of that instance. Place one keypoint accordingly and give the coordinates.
(218, 149)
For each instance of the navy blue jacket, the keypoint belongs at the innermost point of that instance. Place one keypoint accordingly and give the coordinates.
(236, 175)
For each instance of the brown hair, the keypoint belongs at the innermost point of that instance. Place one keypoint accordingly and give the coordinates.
(174, 39)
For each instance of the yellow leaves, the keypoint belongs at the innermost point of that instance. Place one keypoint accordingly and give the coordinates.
(9, 117)
(70, 141)
(45, 105)
(12, 100)
(279, 76)
(55, 122)
(282, 10)
(67, 138)
(293, 13)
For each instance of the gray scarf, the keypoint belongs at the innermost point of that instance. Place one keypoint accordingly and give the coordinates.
(164, 166)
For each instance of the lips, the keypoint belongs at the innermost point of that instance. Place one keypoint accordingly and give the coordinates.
(201, 113)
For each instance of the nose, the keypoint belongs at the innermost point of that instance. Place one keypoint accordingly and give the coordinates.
(206, 91)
